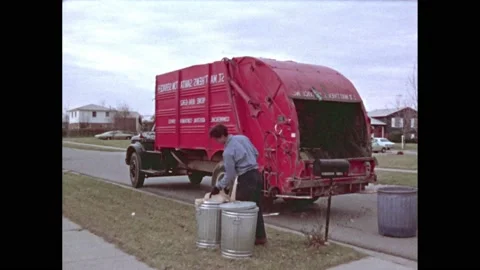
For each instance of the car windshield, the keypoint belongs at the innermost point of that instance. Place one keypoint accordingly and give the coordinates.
(384, 140)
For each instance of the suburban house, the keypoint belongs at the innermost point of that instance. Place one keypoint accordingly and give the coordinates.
(100, 117)
(388, 121)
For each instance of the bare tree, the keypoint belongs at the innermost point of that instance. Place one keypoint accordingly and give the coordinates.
(412, 88)
(122, 114)
(405, 116)
(103, 103)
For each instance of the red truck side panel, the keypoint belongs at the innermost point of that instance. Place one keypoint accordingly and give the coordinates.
(188, 103)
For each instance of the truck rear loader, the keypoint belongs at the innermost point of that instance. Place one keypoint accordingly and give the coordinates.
(295, 114)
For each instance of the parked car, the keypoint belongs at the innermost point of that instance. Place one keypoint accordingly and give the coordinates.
(115, 135)
(381, 145)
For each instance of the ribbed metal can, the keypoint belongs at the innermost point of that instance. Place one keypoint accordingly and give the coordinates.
(239, 223)
(397, 211)
(208, 216)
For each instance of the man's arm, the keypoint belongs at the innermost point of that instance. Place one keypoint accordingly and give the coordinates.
(230, 173)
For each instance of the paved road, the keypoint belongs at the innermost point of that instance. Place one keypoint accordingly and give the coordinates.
(353, 217)
(117, 148)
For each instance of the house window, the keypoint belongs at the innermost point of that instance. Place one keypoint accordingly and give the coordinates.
(75, 114)
(107, 114)
(94, 114)
(397, 122)
(412, 123)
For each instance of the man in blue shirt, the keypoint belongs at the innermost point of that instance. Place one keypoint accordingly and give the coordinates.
(240, 159)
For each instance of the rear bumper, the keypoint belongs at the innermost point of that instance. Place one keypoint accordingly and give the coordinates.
(309, 189)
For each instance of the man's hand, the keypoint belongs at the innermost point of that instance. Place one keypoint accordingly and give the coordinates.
(214, 191)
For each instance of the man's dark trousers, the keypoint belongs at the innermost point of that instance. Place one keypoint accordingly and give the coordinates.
(249, 188)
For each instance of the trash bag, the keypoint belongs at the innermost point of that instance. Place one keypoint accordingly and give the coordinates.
(221, 197)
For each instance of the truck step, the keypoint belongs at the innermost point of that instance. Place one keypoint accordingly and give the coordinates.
(154, 172)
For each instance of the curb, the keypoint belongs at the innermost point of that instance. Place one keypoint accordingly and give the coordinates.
(94, 145)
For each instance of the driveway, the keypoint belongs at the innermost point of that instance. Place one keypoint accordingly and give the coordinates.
(353, 217)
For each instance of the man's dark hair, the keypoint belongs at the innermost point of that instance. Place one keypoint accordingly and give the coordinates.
(218, 131)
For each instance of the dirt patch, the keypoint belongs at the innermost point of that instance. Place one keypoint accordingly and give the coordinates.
(162, 233)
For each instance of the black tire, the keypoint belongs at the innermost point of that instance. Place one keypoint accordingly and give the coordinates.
(128, 138)
(196, 178)
(109, 138)
(384, 150)
(136, 176)
(218, 173)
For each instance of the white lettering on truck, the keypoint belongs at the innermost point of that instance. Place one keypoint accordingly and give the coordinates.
(200, 120)
(219, 119)
(189, 83)
(192, 101)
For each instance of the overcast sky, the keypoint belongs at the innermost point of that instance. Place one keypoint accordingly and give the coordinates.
(112, 50)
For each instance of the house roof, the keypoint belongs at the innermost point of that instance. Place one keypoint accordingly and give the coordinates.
(375, 122)
(384, 112)
(134, 114)
(91, 107)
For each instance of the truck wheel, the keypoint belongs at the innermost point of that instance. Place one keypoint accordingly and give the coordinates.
(136, 176)
(196, 178)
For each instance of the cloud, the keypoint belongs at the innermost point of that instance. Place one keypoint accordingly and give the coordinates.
(129, 42)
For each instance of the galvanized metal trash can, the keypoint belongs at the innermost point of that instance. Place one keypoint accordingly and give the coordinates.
(208, 215)
(239, 224)
(397, 211)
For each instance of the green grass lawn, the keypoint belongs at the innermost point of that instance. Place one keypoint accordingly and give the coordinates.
(408, 162)
(162, 233)
(397, 178)
(408, 146)
(88, 147)
(93, 140)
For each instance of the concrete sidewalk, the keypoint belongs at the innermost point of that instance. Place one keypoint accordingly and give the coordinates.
(370, 263)
(83, 250)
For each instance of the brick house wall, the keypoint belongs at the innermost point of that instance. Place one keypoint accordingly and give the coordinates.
(394, 122)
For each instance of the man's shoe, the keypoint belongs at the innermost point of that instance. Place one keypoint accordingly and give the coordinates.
(260, 241)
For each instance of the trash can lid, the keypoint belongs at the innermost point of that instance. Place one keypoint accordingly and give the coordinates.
(397, 190)
(211, 202)
(238, 205)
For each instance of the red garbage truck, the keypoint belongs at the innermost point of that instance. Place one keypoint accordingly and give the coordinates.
(295, 114)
